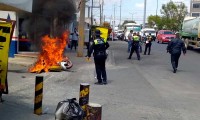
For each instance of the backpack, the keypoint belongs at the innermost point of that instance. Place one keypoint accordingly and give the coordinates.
(69, 110)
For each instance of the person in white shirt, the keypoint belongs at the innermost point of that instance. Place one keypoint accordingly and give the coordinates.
(74, 41)
(130, 40)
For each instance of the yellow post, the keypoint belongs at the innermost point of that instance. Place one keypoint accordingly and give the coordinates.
(84, 97)
(81, 29)
(38, 95)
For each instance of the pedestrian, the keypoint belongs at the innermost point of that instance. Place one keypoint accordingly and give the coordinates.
(140, 42)
(89, 41)
(130, 40)
(75, 37)
(148, 44)
(1, 89)
(98, 48)
(174, 48)
(135, 46)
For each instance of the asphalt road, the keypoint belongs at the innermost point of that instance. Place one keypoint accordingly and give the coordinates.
(136, 90)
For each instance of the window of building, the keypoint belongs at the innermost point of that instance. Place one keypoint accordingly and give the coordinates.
(196, 5)
(195, 14)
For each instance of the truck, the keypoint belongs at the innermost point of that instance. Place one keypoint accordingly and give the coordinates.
(146, 31)
(190, 32)
(131, 26)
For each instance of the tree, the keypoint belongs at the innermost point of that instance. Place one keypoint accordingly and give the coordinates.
(173, 15)
(106, 24)
(155, 20)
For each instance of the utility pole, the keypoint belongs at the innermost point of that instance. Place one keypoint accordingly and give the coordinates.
(144, 19)
(102, 9)
(88, 11)
(100, 5)
(92, 12)
(113, 28)
(114, 15)
(120, 12)
(156, 15)
(81, 29)
(132, 15)
(156, 8)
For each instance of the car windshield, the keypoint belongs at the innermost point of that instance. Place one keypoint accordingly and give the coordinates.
(129, 28)
(136, 28)
(168, 32)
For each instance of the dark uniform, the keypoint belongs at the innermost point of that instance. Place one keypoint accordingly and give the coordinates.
(174, 48)
(140, 42)
(135, 46)
(148, 44)
(99, 47)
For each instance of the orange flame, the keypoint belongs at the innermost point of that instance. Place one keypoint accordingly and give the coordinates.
(52, 52)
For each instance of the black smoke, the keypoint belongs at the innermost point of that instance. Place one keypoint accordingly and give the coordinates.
(49, 17)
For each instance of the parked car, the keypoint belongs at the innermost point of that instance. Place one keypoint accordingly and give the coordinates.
(164, 36)
(114, 35)
(120, 34)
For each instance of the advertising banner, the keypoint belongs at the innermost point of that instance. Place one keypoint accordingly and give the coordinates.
(104, 32)
(5, 34)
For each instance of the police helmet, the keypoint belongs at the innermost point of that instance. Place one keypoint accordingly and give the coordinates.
(97, 32)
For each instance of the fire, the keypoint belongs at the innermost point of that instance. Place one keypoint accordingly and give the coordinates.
(51, 54)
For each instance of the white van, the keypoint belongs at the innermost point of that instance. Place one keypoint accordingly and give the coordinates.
(146, 31)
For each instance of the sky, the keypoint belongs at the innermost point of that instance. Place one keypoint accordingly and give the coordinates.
(132, 9)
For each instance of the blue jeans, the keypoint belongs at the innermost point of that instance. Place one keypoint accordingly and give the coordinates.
(129, 45)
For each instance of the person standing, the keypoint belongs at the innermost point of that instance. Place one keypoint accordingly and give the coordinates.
(89, 41)
(130, 40)
(174, 48)
(148, 44)
(135, 46)
(140, 42)
(74, 41)
(98, 48)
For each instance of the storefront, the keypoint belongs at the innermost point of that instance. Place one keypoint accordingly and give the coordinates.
(16, 10)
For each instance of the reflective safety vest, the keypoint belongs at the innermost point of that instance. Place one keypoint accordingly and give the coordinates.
(149, 38)
(99, 41)
(136, 38)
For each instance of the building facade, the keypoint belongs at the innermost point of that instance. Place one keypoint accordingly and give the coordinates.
(20, 42)
(195, 8)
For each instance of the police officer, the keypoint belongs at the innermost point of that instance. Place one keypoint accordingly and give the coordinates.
(135, 46)
(174, 48)
(98, 48)
(140, 42)
(148, 44)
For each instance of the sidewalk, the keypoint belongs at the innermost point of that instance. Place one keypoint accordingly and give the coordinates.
(28, 59)
(25, 59)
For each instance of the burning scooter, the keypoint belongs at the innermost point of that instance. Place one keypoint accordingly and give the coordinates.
(51, 56)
